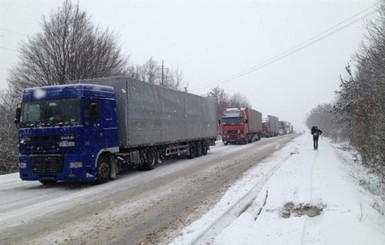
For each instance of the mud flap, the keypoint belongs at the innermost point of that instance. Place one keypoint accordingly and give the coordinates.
(114, 167)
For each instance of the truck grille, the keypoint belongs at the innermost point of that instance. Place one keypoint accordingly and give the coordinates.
(230, 132)
(46, 164)
(45, 143)
(232, 137)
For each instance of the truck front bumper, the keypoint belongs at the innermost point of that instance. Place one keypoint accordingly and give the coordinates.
(55, 167)
(233, 138)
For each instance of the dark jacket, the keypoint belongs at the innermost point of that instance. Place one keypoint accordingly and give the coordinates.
(315, 131)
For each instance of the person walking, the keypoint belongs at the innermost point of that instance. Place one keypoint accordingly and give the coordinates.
(316, 132)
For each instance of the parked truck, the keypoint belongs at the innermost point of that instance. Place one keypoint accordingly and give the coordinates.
(240, 125)
(289, 128)
(270, 126)
(285, 128)
(93, 129)
(282, 127)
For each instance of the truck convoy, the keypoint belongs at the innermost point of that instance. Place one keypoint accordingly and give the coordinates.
(285, 128)
(93, 129)
(240, 125)
(270, 126)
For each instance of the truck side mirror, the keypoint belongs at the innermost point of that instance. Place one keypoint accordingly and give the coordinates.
(219, 121)
(17, 114)
(247, 121)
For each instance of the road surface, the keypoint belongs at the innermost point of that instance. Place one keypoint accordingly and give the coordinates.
(137, 208)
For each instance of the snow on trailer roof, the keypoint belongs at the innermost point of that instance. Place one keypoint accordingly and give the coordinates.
(67, 91)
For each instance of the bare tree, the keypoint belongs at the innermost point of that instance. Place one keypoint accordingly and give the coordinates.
(151, 72)
(175, 80)
(69, 47)
(221, 98)
(8, 136)
(224, 100)
(237, 100)
(360, 102)
(324, 117)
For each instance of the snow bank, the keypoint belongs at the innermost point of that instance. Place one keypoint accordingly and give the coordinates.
(311, 199)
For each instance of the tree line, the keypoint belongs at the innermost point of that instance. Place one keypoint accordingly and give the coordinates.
(358, 113)
(69, 48)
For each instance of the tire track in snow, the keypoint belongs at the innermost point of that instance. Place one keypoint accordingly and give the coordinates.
(238, 207)
(310, 230)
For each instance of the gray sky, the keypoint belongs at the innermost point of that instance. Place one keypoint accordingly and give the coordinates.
(211, 41)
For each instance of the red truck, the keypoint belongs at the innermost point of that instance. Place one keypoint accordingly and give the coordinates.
(270, 126)
(242, 125)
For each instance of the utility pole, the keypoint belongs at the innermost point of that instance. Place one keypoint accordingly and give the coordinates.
(162, 78)
(162, 72)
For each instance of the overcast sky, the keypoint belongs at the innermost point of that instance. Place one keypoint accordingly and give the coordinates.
(259, 49)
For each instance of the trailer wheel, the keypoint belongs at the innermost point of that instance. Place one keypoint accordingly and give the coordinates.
(199, 151)
(204, 148)
(103, 169)
(151, 159)
(193, 151)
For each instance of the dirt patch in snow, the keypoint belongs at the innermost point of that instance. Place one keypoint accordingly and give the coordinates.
(301, 209)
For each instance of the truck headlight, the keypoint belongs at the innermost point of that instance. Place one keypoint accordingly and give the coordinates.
(22, 165)
(76, 164)
(23, 140)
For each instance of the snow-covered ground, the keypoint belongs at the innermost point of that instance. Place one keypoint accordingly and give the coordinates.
(295, 196)
(314, 197)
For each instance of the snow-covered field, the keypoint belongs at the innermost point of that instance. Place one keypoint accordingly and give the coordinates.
(313, 198)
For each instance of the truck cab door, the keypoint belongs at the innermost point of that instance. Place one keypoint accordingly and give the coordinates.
(100, 115)
(92, 116)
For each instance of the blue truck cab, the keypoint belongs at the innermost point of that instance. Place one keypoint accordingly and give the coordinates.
(65, 131)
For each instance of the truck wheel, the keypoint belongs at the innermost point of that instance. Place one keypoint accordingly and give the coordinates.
(103, 170)
(152, 159)
(192, 150)
(199, 149)
(204, 148)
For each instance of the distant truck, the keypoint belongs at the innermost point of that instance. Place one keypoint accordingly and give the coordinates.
(289, 128)
(240, 125)
(91, 130)
(285, 128)
(270, 126)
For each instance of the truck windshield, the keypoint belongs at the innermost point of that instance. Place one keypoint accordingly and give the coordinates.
(50, 113)
(232, 114)
(232, 120)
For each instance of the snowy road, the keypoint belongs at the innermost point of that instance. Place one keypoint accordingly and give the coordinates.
(311, 197)
(137, 207)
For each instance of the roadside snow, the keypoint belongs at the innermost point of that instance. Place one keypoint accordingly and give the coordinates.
(313, 198)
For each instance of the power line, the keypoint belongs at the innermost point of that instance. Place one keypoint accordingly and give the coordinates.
(14, 32)
(11, 31)
(20, 11)
(288, 52)
(9, 49)
(324, 34)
